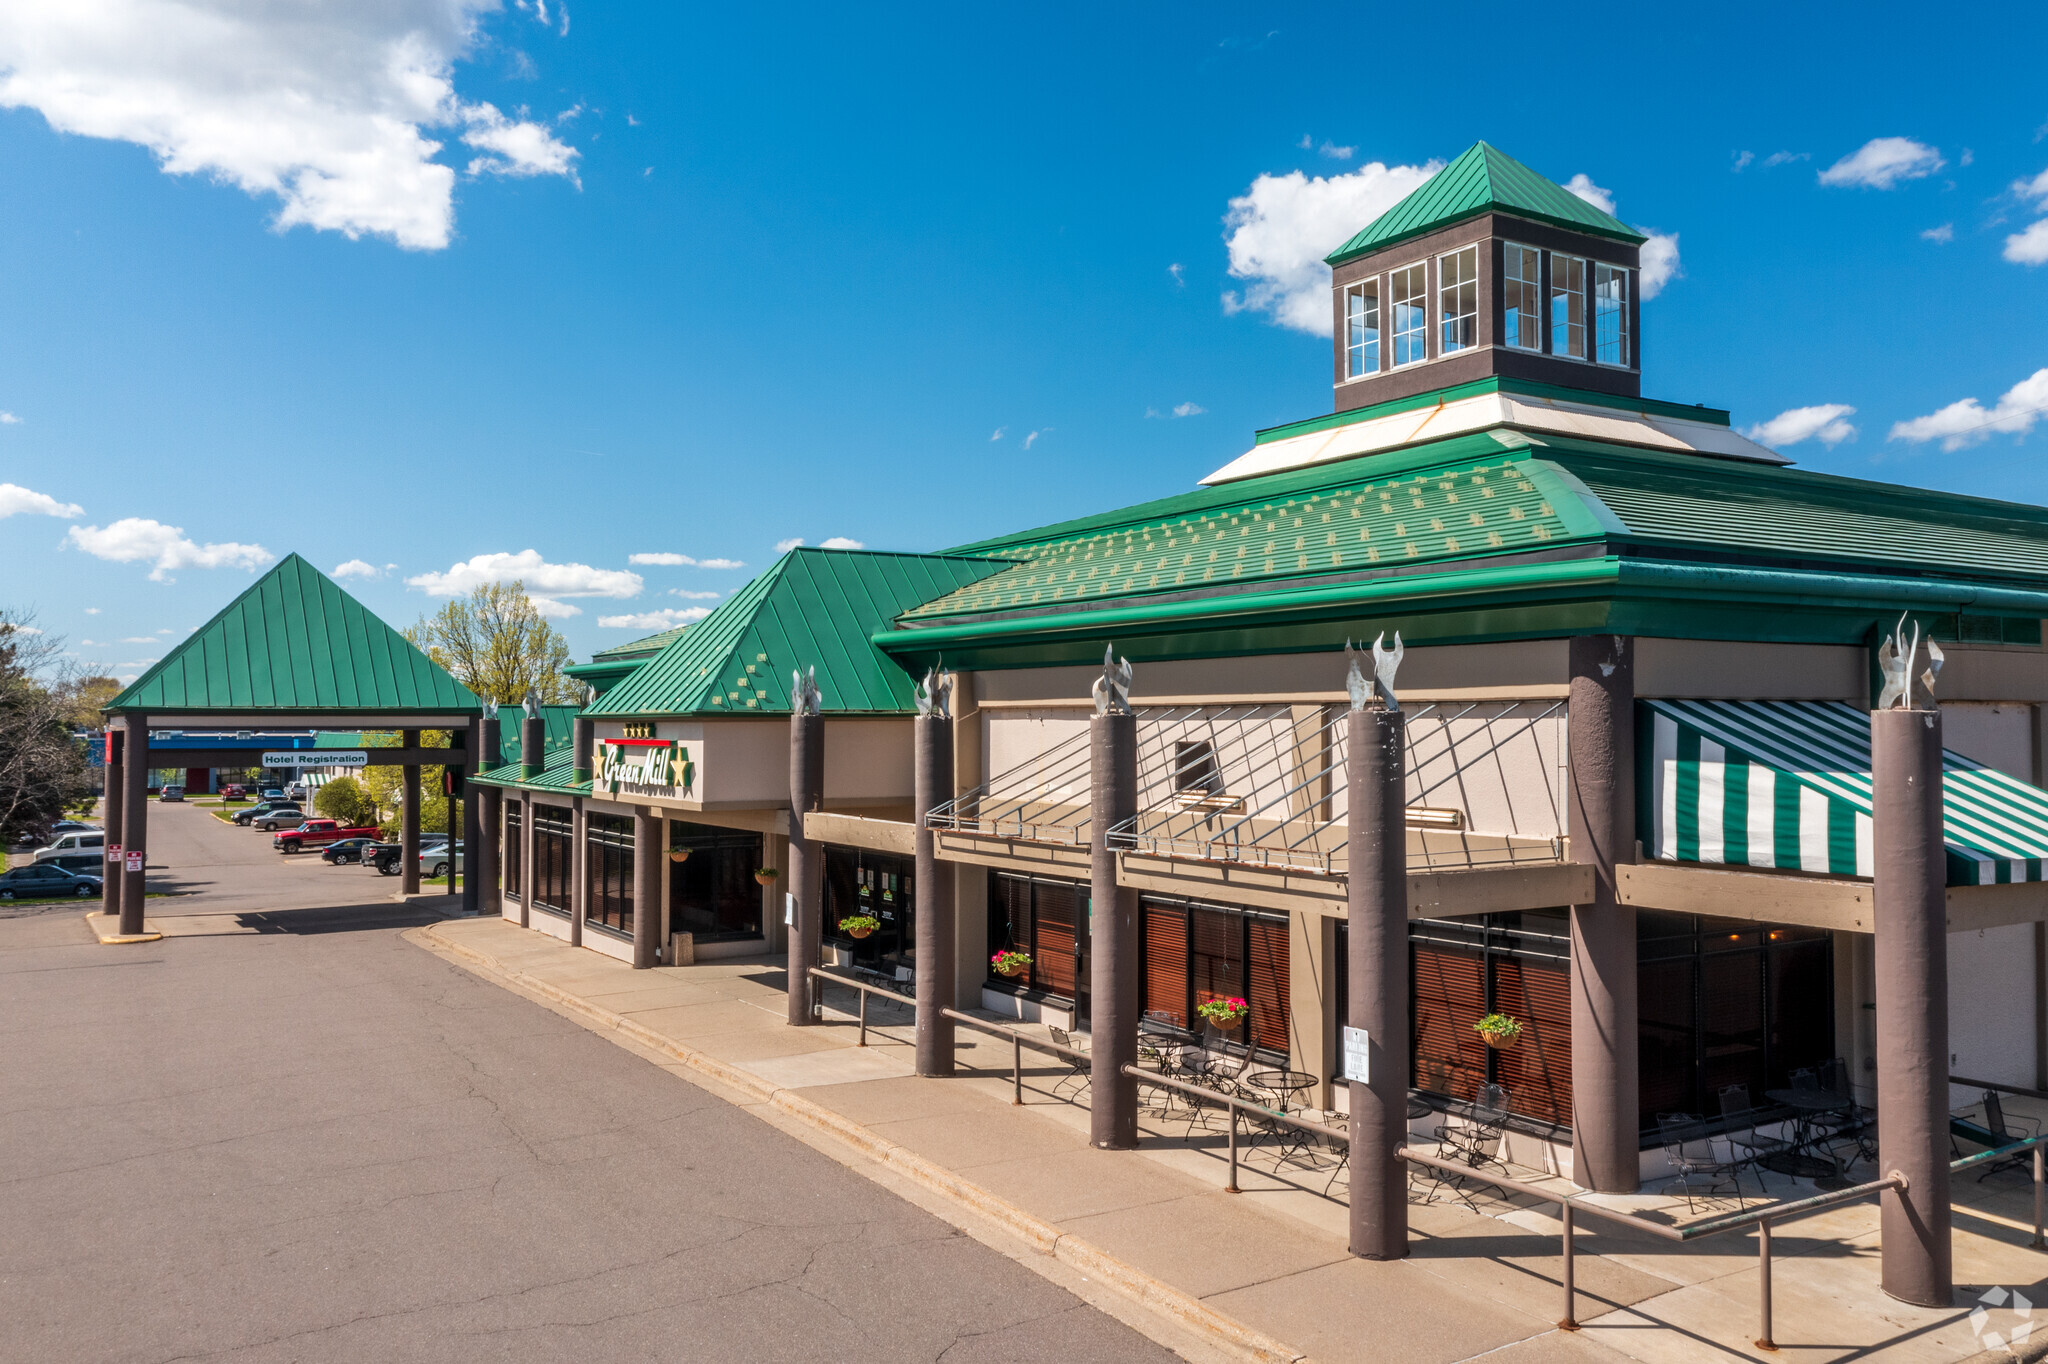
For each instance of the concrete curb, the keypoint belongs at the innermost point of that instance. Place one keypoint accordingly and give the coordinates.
(147, 935)
(1155, 1295)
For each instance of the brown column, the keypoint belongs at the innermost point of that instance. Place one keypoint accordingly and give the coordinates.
(1601, 809)
(135, 823)
(486, 833)
(1909, 905)
(1376, 903)
(647, 864)
(112, 822)
(932, 784)
(579, 871)
(528, 875)
(583, 738)
(1114, 938)
(533, 742)
(409, 823)
(806, 860)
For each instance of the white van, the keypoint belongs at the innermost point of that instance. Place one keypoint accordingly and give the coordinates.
(72, 843)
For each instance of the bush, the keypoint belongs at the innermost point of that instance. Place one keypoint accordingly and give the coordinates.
(345, 801)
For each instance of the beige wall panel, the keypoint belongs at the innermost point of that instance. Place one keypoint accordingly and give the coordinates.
(1991, 1006)
(1013, 745)
(1998, 734)
(865, 760)
(1503, 768)
(1310, 676)
(1720, 670)
(2000, 674)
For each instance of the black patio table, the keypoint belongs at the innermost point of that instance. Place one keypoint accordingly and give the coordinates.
(1806, 1105)
(1281, 1082)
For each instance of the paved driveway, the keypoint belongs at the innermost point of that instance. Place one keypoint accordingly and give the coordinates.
(302, 1138)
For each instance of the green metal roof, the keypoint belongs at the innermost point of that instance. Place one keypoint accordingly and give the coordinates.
(639, 648)
(295, 642)
(810, 608)
(1483, 179)
(1492, 383)
(1477, 499)
(556, 776)
(558, 731)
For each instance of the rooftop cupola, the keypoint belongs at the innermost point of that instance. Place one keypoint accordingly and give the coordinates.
(1487, 269)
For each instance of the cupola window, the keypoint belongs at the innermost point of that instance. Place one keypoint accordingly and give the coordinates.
(1362, 329)
(1521, 297)
(1458, 299)
(1411, 314)
(1610, 314)
(1568, 306)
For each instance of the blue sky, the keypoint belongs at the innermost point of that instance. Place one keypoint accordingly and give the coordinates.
(694, 282)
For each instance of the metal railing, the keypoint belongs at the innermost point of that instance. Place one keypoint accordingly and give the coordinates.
(1018, 1041)
(1235, 1105)
(866, 988)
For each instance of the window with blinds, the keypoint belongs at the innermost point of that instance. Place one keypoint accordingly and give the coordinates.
(1043, 917)
(1166, 963)
(512, 845)
(1195, 952)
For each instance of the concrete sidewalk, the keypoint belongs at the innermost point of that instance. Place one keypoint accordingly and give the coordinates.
(1263, 1274)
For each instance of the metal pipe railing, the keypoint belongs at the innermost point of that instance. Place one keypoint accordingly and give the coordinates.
(1019, 1040)
(866, 988)
(1235, 1105)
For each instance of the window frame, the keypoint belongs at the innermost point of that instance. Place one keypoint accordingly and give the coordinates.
(1551, 295)
(1378, 328)
(1422, 328)
(1594, 313)
(1538, 315)
(1442, 318)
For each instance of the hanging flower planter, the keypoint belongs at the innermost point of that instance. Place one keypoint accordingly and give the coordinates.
(1011, 962)
(766, 875)
(678, 854)
(859, 925)
(1499, 1031)
(1223, 1014)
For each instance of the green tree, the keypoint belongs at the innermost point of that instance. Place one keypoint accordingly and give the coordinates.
(345, 801)
(42, 764)
(86, 697)
(384, 788)
(497, 644)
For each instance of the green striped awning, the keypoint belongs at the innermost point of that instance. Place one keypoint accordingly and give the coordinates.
(1787, 784)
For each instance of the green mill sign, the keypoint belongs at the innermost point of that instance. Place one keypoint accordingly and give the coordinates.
(652, 767)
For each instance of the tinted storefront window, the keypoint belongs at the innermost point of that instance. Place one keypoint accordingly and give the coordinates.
(1045, 918)
(610, 841)
(554, 830)
(882, 887)
(1197, 952)
(712, 893)
(511, 846)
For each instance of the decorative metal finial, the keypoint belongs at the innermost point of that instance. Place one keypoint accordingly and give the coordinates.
(1385, 663)
(1112, 690)
(490, 709)
(1895, 664)
(804, 698)
(1354, 677)
(935, 694)
(532, 705)
(590, 694)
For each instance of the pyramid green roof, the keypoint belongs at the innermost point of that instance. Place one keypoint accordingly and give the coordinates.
(295, 642)
(1482, 180)
(810, 608)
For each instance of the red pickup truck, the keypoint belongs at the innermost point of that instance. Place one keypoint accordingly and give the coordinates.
(317, 833)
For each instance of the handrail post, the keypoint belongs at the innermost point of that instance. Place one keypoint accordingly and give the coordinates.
(1763, 1264)
(1571, 1321)
(1016, 1070)
(863, 1019)
(2038, 1190)
(1231, 1187)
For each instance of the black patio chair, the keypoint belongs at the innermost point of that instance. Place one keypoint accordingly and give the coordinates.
(2005, 1131)
(1471, 1135)
(1851, 1134)
(1079, 1073)
(1741, 1119)
(1691, 1152)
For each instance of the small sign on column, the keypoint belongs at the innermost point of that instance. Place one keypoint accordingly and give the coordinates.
(1358, 1055)
(135, 861)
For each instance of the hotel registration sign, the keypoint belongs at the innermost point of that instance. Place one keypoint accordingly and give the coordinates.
(644, 767)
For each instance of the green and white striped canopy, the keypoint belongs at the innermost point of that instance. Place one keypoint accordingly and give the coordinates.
(1787, 784)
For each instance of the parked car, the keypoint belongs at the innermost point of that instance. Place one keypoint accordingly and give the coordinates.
(386, 859)
(317, 833)
(273, 793)
(234, 791)
(434, 861)
(347, 850)
(296, 791)
(256, 812)
(176, 793)
(75, 841)
(57, 830)
(286, 816)
(43, 881)
(91, 862)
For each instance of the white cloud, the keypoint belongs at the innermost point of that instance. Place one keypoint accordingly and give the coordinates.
(1179, 273)
(840, 542)
(2035, 189)
(1967, 422)
(655, 620)
(16, 499)
(139, 639)
(1742, 159)
(1030, 439)
(133, 539)
(9, 419)
(694, 596)
(1583, 186)
(667, 560)
(1335, 152)
(550, 609)
(1824, 423)
(1659, 258)
(1786, 158)
(785, 546)
(355, 568)
(2030, 247)
(327, 106)
(1944, 234)
(999, 433)
(37, 630)
(92, 610)
(1179, 410)
(542, 578)
(1283, 225)
(721, 563)
(1884, 161)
